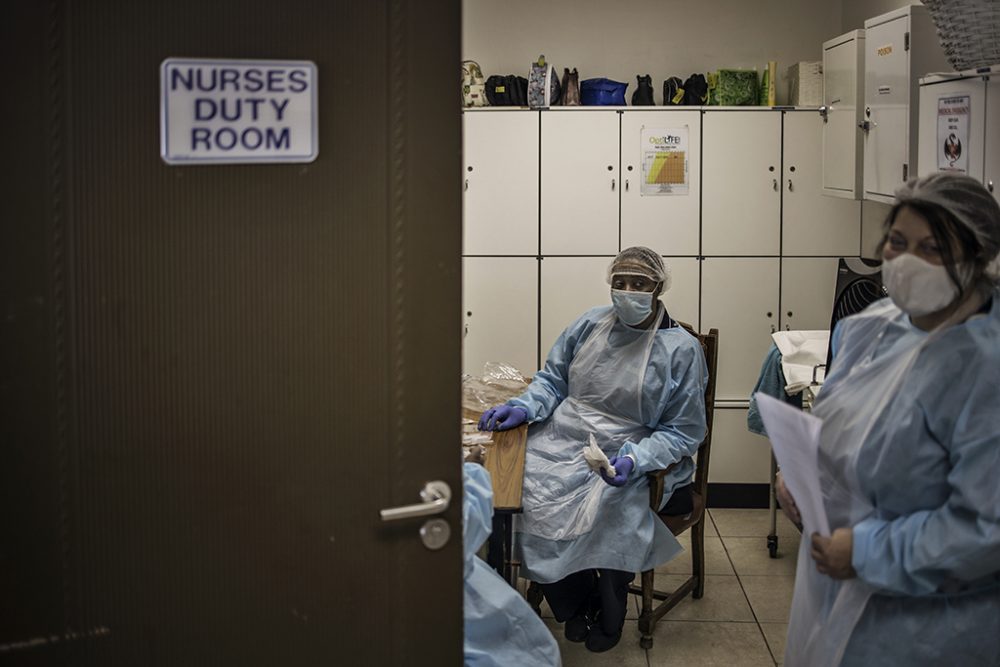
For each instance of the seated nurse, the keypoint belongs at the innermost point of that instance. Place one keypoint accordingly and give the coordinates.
(631, 377)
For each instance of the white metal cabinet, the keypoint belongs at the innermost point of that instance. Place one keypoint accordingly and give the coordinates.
(668, 223)
(811, 223)
(500, 312)
(976, 125)
(580, 181)
(843, 97)
(807, 290)
(741, 192)
(500, 182)
(738, 456)
(740, 298)
(900, 47)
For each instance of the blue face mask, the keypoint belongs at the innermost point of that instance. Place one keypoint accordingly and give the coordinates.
(632, 308)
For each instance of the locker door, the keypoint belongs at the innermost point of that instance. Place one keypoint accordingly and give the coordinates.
(813, 224)
(580, 182)
(740, 298)
(500, 182)
(738, 456)
(500, 312)
(991, 167)
(741, 160)
(668, 223)
(935, 99)
(887, 96)
(807, 290)
(843, 91)
(570, 287)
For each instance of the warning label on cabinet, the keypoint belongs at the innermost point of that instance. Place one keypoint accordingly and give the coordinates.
(953, 133)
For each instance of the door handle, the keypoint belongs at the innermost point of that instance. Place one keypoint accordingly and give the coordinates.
(789, 185)
(626, 186)
(774, 184)
(436, 497)
(466, 184)
(612, 185)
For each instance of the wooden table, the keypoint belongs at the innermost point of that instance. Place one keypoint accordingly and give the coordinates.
(505, 463)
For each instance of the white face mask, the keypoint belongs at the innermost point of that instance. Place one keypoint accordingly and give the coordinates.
(917, 286)
(632, 307)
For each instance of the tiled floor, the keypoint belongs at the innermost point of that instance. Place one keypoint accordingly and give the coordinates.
(741, 620)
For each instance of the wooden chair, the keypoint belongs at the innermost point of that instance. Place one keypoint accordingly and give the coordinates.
(695, 584)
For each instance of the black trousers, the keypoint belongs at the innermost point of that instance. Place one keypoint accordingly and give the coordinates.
(589, 592)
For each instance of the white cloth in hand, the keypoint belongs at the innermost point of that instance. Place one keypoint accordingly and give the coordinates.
(596, 458)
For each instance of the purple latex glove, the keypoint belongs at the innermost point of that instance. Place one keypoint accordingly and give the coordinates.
(623, 468)
(502, 418)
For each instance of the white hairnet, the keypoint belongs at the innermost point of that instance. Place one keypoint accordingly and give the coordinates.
(965, 199)
(640, 261)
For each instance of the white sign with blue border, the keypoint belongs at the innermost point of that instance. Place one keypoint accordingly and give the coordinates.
(237, 111)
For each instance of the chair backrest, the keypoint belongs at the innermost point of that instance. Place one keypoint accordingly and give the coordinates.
(710, 347)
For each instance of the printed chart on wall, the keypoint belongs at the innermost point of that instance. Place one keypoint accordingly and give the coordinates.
(953, 133)
(664, 161)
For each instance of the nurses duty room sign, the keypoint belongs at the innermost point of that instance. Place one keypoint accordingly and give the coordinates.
(236, 111)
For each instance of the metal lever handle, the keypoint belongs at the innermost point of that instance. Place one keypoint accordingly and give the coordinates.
(436, 496)
(466, 184)
(774, 184)
(612, 185)
(989, 186)
(626, 186)
(789, 185)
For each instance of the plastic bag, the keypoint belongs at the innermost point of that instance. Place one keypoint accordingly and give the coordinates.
(499, 383)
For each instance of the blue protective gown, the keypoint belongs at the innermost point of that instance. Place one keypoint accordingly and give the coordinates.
(640, 393)
(500, 628)
(930, 469)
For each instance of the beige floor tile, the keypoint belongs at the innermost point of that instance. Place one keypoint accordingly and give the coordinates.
(628, 653)
(770, 597)
(751, 523)
(702, 644)
(749, 555)
(775, 633)
(723, 600)
(716, 560)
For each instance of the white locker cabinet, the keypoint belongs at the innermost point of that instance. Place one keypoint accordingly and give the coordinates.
(500, 182)
(570, 287)
(741, 190)
(900, 47)
(500, 312)
(738, 456)
(843, 97)
(668, 223)
(573, 285)
(580, 181)
(812, 224)
(960, 125)
(807, 290)
(740, 299)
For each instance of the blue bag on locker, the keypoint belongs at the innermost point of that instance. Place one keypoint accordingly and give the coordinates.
(602, 92)
(543, 85)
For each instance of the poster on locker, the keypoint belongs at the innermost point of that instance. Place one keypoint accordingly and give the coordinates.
(664, 161)
(953, 133)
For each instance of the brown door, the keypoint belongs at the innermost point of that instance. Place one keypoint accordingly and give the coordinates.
(212, 378)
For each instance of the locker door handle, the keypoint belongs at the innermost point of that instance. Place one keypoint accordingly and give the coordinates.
(774, 184)
(989, 186)
(789, 185)
(612, 185)
(626, 186)
(466, 184)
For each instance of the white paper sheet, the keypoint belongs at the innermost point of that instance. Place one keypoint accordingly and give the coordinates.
(794, 438)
